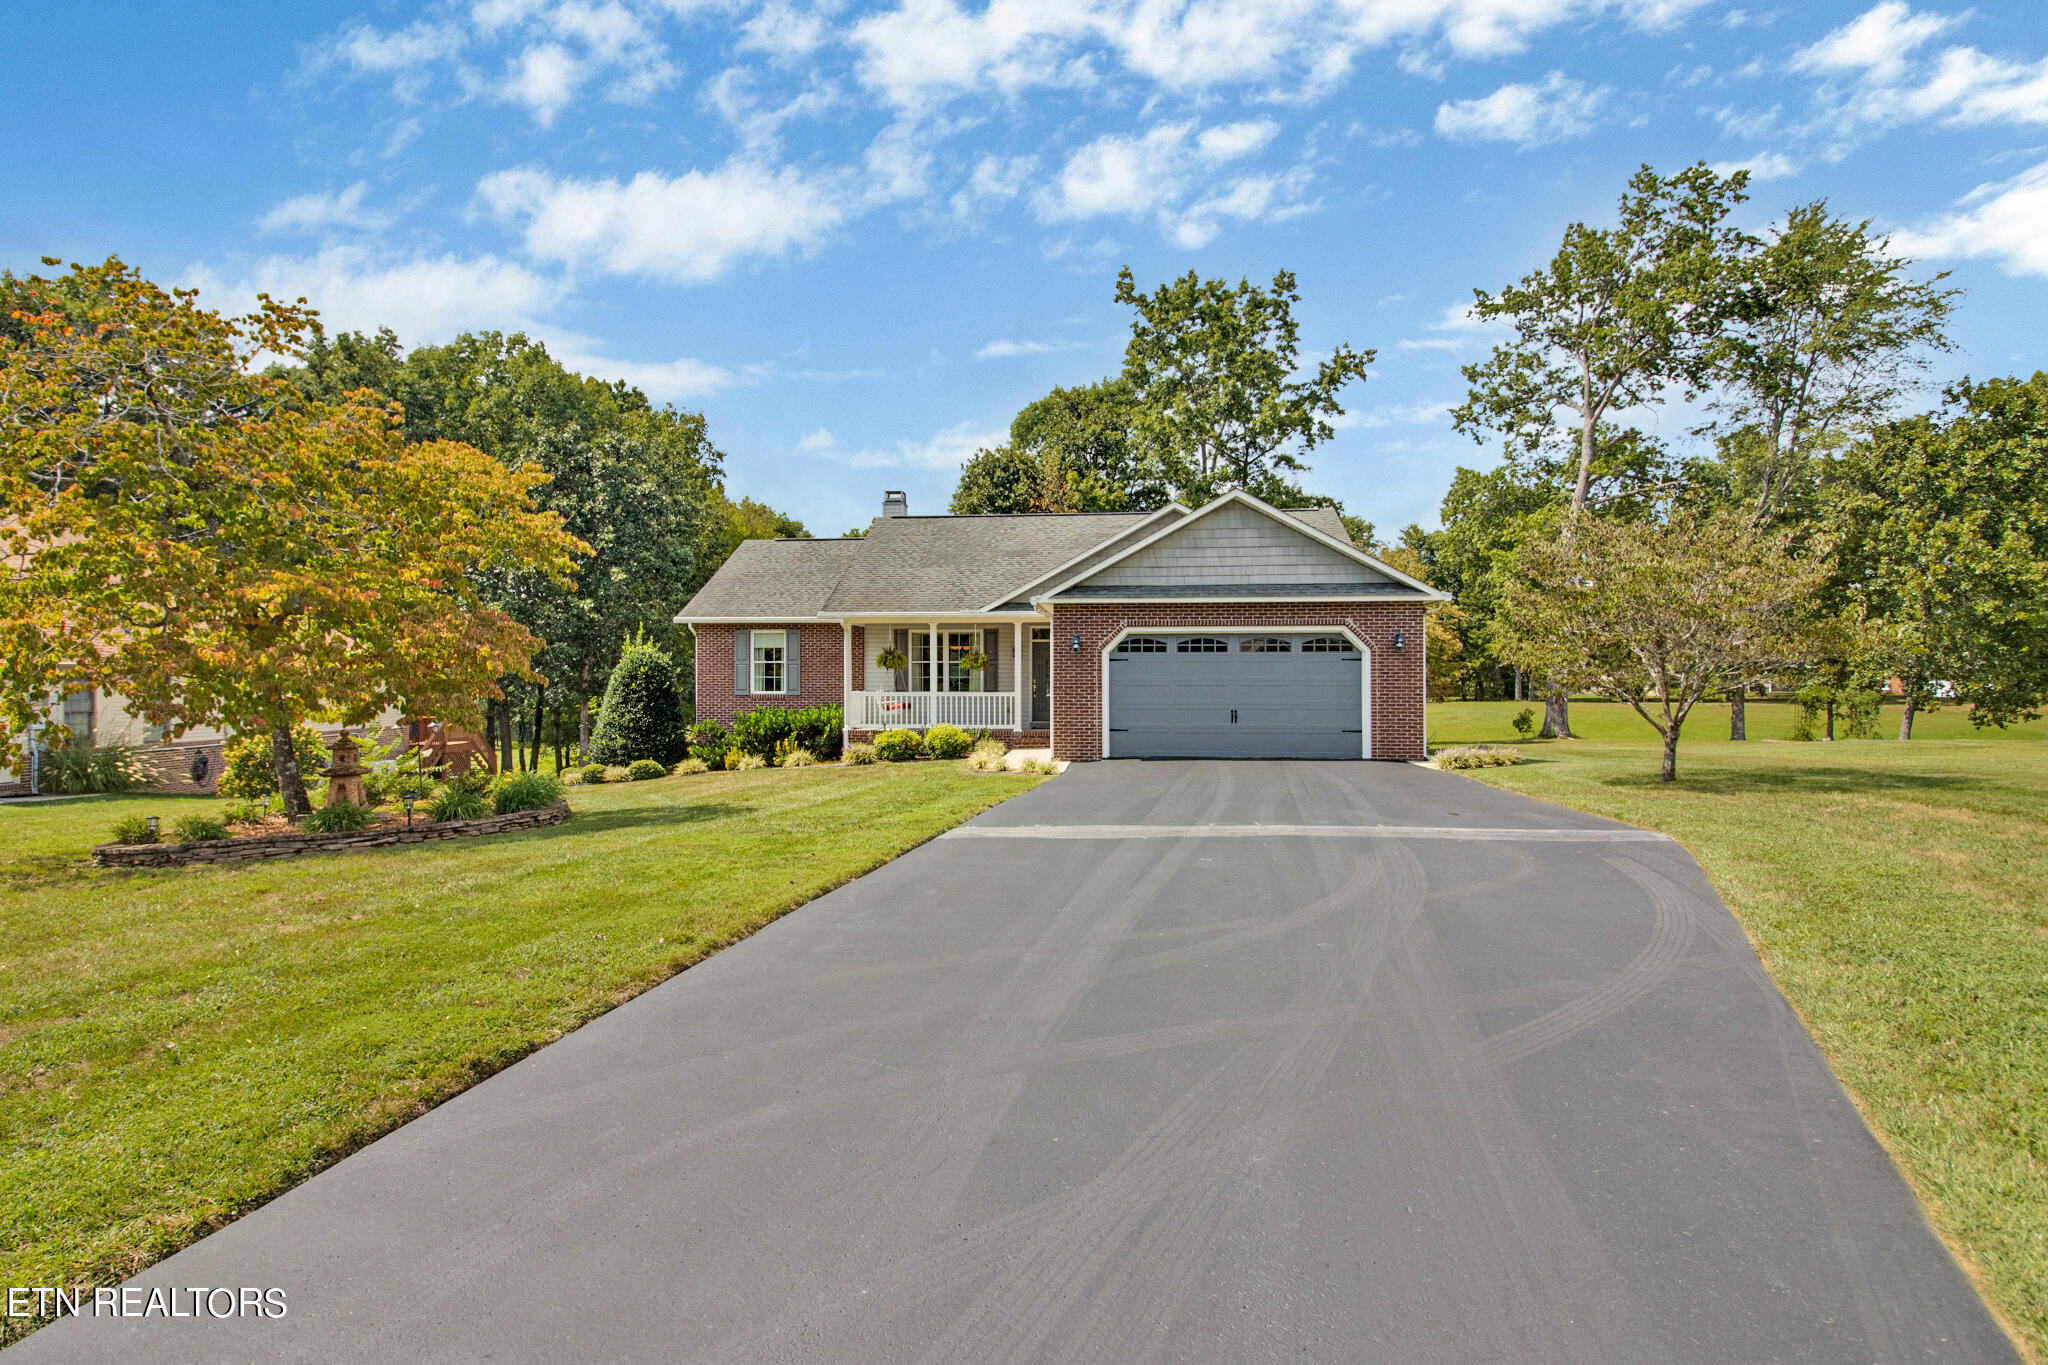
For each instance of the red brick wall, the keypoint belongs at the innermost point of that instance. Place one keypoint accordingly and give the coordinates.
(821, 670)
(1397, 679)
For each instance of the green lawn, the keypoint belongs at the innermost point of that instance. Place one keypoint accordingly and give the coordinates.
(1899, 895)
(1493, 722)
(178, 1046)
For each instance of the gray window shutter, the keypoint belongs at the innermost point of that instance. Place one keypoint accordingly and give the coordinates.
(742, 662)
(792, 647)
(992, 645)
(901, 644)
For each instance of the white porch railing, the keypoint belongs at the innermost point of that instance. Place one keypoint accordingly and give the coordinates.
(968, 710)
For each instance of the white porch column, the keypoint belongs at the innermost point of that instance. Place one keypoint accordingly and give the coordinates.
(1017, 680)
(937, 654)
(845, 682)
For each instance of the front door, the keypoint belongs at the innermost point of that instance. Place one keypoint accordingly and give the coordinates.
(1041, 677)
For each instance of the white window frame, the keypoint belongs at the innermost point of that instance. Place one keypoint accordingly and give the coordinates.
(959, 644)
(761, 663)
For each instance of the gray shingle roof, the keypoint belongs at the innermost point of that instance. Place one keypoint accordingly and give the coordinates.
(904, 564)
(964, 563)
(773, 580)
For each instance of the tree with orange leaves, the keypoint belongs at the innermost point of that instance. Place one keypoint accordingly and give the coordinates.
(186, 530)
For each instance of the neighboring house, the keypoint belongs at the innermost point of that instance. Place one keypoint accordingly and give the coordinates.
(1236, 630)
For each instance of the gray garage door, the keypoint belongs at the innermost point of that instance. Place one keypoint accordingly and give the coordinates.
(1191, 695)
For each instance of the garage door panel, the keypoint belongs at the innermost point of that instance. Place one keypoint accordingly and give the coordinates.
(1262, 703)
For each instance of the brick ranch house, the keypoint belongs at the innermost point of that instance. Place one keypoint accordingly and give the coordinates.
(1235, 630)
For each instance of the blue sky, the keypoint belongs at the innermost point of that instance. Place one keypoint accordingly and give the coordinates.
(860, 238)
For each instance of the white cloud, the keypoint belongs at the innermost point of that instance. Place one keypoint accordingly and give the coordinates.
(821, 439)
(1229, 141)
(1394, 414)
(1004, 348)
(2007, 221)
(666, 381)
(322, 210)
(423, 299)
(544, 78)
(947, 449)
(1875, 43)
(688, 228)
(783, 32)
(552, 51)
(1161, 172)
(1761, 167)
(1527, 115)
(1463, 327)
(921, 52)
(1874, 75)
(730, 94)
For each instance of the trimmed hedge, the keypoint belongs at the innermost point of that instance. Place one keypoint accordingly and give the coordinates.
(947, 741)
(816, 728)
(642, 714)
(899, 746)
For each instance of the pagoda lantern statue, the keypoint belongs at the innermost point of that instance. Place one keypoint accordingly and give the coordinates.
(345, 774)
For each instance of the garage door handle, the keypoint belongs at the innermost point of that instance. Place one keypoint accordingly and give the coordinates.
(1233, 717)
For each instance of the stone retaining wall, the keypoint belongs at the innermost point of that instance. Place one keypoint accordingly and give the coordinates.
(297, 845)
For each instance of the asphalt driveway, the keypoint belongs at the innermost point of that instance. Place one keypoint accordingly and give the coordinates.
(1173, 1061)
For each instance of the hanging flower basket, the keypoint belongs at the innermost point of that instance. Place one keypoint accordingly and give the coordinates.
(892, 659)
(974, 661)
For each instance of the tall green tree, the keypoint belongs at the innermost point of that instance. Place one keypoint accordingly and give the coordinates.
(1219, 397)
(1619, 316)
(1823, 328)
(1944, 526)
(1070, 451)
(642, 482)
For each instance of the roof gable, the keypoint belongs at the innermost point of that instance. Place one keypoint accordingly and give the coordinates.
(1238, 545)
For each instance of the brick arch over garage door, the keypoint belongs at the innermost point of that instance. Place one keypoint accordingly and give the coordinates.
(1399, 684)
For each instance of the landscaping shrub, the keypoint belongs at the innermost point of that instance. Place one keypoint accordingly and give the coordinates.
(394, 779)
(1477, 756)
(1525, 721)
(947, 741)
(645, 769)
(691, 765)
(100, 769)
(192, 829)
(246, 812)
(899, 746)
(340, 817)
(454, 803)
(533, 791)
(642, 714)
(477, 780)
(748, 762)
(860, 755)
(591, 773)
(800, 758)
(133, 829)
(245, 762)
(617, 774)
(1042, 765)
(708, 742)
(989, 756)
(767, 729)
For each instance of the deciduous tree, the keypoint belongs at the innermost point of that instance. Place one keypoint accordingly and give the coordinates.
(1616, 318)
(1218, 397)
(1661, 612)
(221, 548)
(1944, 526)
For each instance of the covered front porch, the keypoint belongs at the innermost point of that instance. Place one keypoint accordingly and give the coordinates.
(987, 673)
